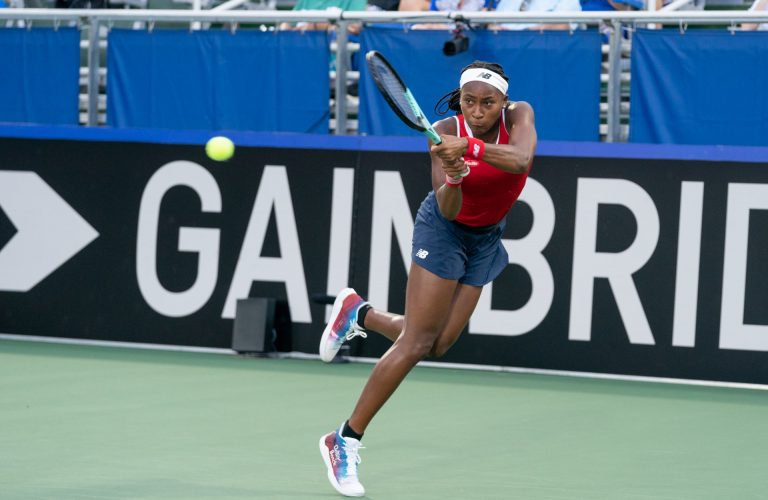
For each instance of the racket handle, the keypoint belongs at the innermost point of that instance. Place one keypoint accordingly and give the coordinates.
(433, 136)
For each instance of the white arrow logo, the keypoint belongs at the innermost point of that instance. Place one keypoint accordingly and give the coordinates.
(49, 232)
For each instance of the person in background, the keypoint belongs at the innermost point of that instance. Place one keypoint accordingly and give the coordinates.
(383, 5)
(437, 5)
(610, 5)
(458, 5)
(445, 5)
(81, 4)
(537, 6)
(410, 5)
(757, 6)
(604, 5)
(330, 5)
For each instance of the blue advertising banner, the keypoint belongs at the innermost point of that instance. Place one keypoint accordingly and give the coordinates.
(699, 87)
(557, 72)
(40, 72)
(218, 80)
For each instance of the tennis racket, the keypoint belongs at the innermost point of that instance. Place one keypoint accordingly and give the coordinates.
(398, 96)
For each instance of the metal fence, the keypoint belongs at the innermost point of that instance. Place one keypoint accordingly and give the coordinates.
(95, 25)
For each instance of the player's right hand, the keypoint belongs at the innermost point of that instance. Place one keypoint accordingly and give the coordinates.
(451, 149)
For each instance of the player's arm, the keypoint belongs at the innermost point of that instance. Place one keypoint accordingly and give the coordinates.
(515, 157)
(448, 197)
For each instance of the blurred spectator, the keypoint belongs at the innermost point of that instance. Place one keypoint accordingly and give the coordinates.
(445, 5)
(383, 5)
(592, 5)
(757, 6)
(80, 4)
(413, 5)
(538, 6)
(330, 5)
(441, 5)
(458, 5)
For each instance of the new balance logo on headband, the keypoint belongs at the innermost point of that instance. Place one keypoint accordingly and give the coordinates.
(485, 76)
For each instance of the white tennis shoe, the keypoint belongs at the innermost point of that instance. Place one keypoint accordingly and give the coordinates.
(342, 325)
(341, 456)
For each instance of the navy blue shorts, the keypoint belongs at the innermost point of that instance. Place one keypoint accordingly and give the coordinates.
(473, 256)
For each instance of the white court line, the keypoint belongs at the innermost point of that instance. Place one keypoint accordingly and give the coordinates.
(430, 364)
(111, 343)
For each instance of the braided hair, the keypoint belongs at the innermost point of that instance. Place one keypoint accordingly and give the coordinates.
(452, 100)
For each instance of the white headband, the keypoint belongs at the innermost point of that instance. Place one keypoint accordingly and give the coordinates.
(485, 76)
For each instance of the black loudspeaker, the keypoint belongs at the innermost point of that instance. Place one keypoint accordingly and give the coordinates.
(254, 330)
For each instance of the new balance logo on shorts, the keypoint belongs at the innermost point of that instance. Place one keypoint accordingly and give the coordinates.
(422, 254)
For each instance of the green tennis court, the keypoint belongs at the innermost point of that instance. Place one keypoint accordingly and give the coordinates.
(97, 422)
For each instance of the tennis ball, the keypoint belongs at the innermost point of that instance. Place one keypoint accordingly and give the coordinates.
(220, 148)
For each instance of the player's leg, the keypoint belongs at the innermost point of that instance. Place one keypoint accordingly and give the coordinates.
(387, 324)
(489, 258)
(351, 316)
(428, 301)
(463, 305)
(427, 304)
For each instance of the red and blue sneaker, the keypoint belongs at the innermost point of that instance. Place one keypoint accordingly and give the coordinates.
(341, 456)
(342, 325)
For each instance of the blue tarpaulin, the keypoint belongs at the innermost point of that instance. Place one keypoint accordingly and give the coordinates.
(219, 80)
(557, 72)
(39, 75)
(699, 87)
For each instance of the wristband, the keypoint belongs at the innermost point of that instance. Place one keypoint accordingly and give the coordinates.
(475, 148)
(450, 181)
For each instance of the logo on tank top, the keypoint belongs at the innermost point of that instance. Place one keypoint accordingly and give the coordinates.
(422, 254)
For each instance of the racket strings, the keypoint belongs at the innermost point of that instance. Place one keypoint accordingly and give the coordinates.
(395, 90)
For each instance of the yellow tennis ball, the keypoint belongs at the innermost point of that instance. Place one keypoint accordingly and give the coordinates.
(220, 148)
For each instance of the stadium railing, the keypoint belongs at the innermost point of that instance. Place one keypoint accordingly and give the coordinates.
(95, 23)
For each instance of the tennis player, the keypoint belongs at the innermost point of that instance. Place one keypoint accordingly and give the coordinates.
(478, 172)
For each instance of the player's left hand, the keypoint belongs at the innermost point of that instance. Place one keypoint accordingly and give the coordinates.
(451, 149)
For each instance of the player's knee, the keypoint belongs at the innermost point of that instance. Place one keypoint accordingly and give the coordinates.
(438, 350)
(421, 349)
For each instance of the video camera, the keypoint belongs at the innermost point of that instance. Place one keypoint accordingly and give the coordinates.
(458, 43)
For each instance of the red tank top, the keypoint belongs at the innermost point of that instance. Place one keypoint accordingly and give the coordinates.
(487, 192)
